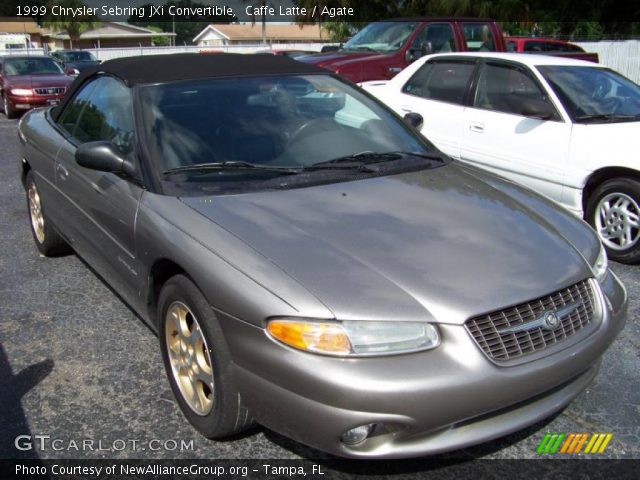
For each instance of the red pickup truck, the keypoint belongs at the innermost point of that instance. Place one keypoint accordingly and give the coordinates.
(549, 46)
(382, 49)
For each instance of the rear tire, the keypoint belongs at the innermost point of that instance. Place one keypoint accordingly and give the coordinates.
(197, 361)
(48, 240)
(613, 210)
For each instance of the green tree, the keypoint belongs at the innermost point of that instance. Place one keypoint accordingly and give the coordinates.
(263, 19)
(186, 28)
(72, 26)
(339, 31)
(159, 40)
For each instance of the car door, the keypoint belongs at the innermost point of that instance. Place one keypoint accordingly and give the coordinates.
(100, 207)
(499, 137)
(438, 91)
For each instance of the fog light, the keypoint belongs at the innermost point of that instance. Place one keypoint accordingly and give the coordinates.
(356, 435)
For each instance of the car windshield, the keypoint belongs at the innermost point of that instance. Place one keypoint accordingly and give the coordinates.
(594, 94)
(31, 66)
(381, 36)
(77, 57)
(220, 130)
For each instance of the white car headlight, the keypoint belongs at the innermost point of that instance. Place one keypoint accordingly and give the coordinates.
(22, 92)
(353, 338)
(601, 265)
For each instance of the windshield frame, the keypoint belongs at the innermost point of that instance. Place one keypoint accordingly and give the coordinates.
(66, 57)
(374, 25)
(573, 108)
(8, 61)
(160, 184)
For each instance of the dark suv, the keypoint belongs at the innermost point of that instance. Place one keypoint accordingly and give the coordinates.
(74, 61)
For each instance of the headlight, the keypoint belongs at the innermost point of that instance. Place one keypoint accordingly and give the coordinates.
(22, 92)
(601, 264)
(351, 338)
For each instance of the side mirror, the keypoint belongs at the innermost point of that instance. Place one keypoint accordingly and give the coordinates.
(414, 120)
(413, 54)
(534, 108)
(104, 157)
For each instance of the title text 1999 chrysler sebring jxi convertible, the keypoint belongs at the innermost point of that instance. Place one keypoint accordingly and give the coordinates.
(311, 263)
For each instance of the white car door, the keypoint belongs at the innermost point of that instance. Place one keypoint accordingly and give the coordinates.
(501, 132)
(437, 91)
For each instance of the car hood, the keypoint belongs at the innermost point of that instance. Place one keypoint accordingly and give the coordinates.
(334, 60)
(35, 81)
(440, 244)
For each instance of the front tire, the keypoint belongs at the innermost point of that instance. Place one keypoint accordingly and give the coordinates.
(48, 240)
(198, 362)
(9, 112)
(613, 210)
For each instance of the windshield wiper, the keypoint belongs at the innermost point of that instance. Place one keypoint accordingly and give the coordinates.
(359, 49)
(362, 159)
(607, 117)
(231, 165)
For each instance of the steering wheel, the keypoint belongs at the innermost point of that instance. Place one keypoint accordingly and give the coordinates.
(601, 89)
(312, 126)
(612, 104)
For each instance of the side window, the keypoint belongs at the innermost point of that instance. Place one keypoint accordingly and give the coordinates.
(107, 115)
(434, 38)
(69, 117)
(512, 46)
(504, 88)
(443, 81)
(478, 37)
(535, 46)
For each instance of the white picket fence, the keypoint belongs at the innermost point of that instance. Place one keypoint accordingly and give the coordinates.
(621, 55)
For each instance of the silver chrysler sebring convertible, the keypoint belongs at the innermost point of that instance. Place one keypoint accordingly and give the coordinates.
(310, 263)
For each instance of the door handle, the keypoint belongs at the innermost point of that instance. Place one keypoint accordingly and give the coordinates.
(63, 172)
(476, 127)
(406, 108)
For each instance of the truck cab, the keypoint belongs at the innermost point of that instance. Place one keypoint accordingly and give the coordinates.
(382, 49)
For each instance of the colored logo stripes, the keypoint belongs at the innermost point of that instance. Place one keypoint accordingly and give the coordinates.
(573, 443)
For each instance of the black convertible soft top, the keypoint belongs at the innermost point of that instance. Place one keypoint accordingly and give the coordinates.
(188, 66)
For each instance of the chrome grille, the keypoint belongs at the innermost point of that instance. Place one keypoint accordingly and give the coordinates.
(50, 90)
(494, 332)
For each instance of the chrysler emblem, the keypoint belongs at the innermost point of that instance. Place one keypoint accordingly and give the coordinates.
(551, 321)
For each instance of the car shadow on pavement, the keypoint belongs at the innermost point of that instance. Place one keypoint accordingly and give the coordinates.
(457, 458)
(13, 421)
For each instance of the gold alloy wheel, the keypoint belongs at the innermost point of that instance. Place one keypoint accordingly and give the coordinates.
(189, 357)
(35, 212)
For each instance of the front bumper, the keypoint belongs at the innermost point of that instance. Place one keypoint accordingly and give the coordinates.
(429, 402)
(33, 101)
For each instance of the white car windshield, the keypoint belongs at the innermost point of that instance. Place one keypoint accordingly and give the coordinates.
(381, 36)
(594, 94)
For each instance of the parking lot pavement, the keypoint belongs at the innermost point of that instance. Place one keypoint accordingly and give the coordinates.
(77, 364)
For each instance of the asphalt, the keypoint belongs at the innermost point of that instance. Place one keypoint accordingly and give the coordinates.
(77, 364)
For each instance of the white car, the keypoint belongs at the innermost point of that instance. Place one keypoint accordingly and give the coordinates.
(567, 128)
